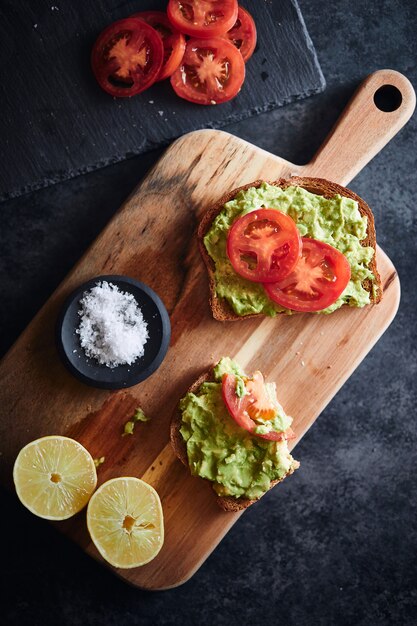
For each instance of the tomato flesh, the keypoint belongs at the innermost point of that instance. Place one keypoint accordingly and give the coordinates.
(202, 18)
(212, 71)
(243, 33)
(127, 57)
(264, 245)
(255, 403)
(318, 279)
(260, 404)
(173, 41)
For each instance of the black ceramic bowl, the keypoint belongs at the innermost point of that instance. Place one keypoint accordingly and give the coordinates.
(88, 370)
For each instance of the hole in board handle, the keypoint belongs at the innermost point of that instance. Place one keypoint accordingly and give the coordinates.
(388, 98)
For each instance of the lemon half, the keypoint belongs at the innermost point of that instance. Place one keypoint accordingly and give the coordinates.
(54, 477)
(125, 521)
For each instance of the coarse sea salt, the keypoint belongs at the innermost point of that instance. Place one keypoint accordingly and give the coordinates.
(112, 329)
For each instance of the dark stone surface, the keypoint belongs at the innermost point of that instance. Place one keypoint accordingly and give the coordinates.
(65, 124)
(337, 542)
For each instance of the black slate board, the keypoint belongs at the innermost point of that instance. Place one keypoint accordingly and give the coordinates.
(56, 122)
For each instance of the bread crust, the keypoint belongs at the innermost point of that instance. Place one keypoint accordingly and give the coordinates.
(227, 503)
(221, 309)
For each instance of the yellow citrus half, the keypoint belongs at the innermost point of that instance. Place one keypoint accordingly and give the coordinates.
(126, 523)
(54, 477)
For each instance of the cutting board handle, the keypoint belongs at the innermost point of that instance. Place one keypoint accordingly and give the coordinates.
(379, 108)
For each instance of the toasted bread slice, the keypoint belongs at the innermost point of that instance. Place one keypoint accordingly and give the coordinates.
(319, 186)
(228, 503)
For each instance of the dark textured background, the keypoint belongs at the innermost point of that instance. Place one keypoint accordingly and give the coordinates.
(65, 124)
(337, 542)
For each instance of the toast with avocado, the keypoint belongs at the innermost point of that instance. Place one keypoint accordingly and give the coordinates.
(230, 430)
(326, 215)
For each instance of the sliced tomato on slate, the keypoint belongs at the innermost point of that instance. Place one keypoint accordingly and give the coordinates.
(255, 403)
(212, 71)
(264, 245)
(173, 40)
(319, 278)
(202, 18)
(243, 33)
(127, 57)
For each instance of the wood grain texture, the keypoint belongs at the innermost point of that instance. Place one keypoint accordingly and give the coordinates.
(363, 129)
(152, 238)
(66, 125)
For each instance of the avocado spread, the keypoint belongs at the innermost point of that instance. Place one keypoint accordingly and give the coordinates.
(239, 464)
(336, 221)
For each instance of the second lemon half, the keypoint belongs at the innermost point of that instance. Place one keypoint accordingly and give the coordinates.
(125, 521)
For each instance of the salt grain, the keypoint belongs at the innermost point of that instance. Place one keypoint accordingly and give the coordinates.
(112, 329)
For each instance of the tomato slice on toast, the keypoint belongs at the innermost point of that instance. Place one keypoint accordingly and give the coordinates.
(254, 404)
(319, 278)
(264, 245)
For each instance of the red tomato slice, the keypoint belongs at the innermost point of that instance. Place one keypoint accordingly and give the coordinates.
(127, 57)
(202, 18)
(212, 71)
(173, 40)
(243, 33)
(255, 402)
(318, 279)
(264, 245)
(260, 404)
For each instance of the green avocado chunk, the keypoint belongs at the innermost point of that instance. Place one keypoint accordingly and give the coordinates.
(336, 221)
(239, 464)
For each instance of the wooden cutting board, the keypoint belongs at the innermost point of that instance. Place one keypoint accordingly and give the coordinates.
(152, 239)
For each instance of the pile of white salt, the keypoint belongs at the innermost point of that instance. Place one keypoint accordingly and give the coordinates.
(112, 329)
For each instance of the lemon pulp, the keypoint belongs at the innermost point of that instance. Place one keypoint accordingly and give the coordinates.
(125, 521)
(54, 477)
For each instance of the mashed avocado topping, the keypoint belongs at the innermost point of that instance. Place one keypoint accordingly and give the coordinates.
(336, 221)
(239, 464)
